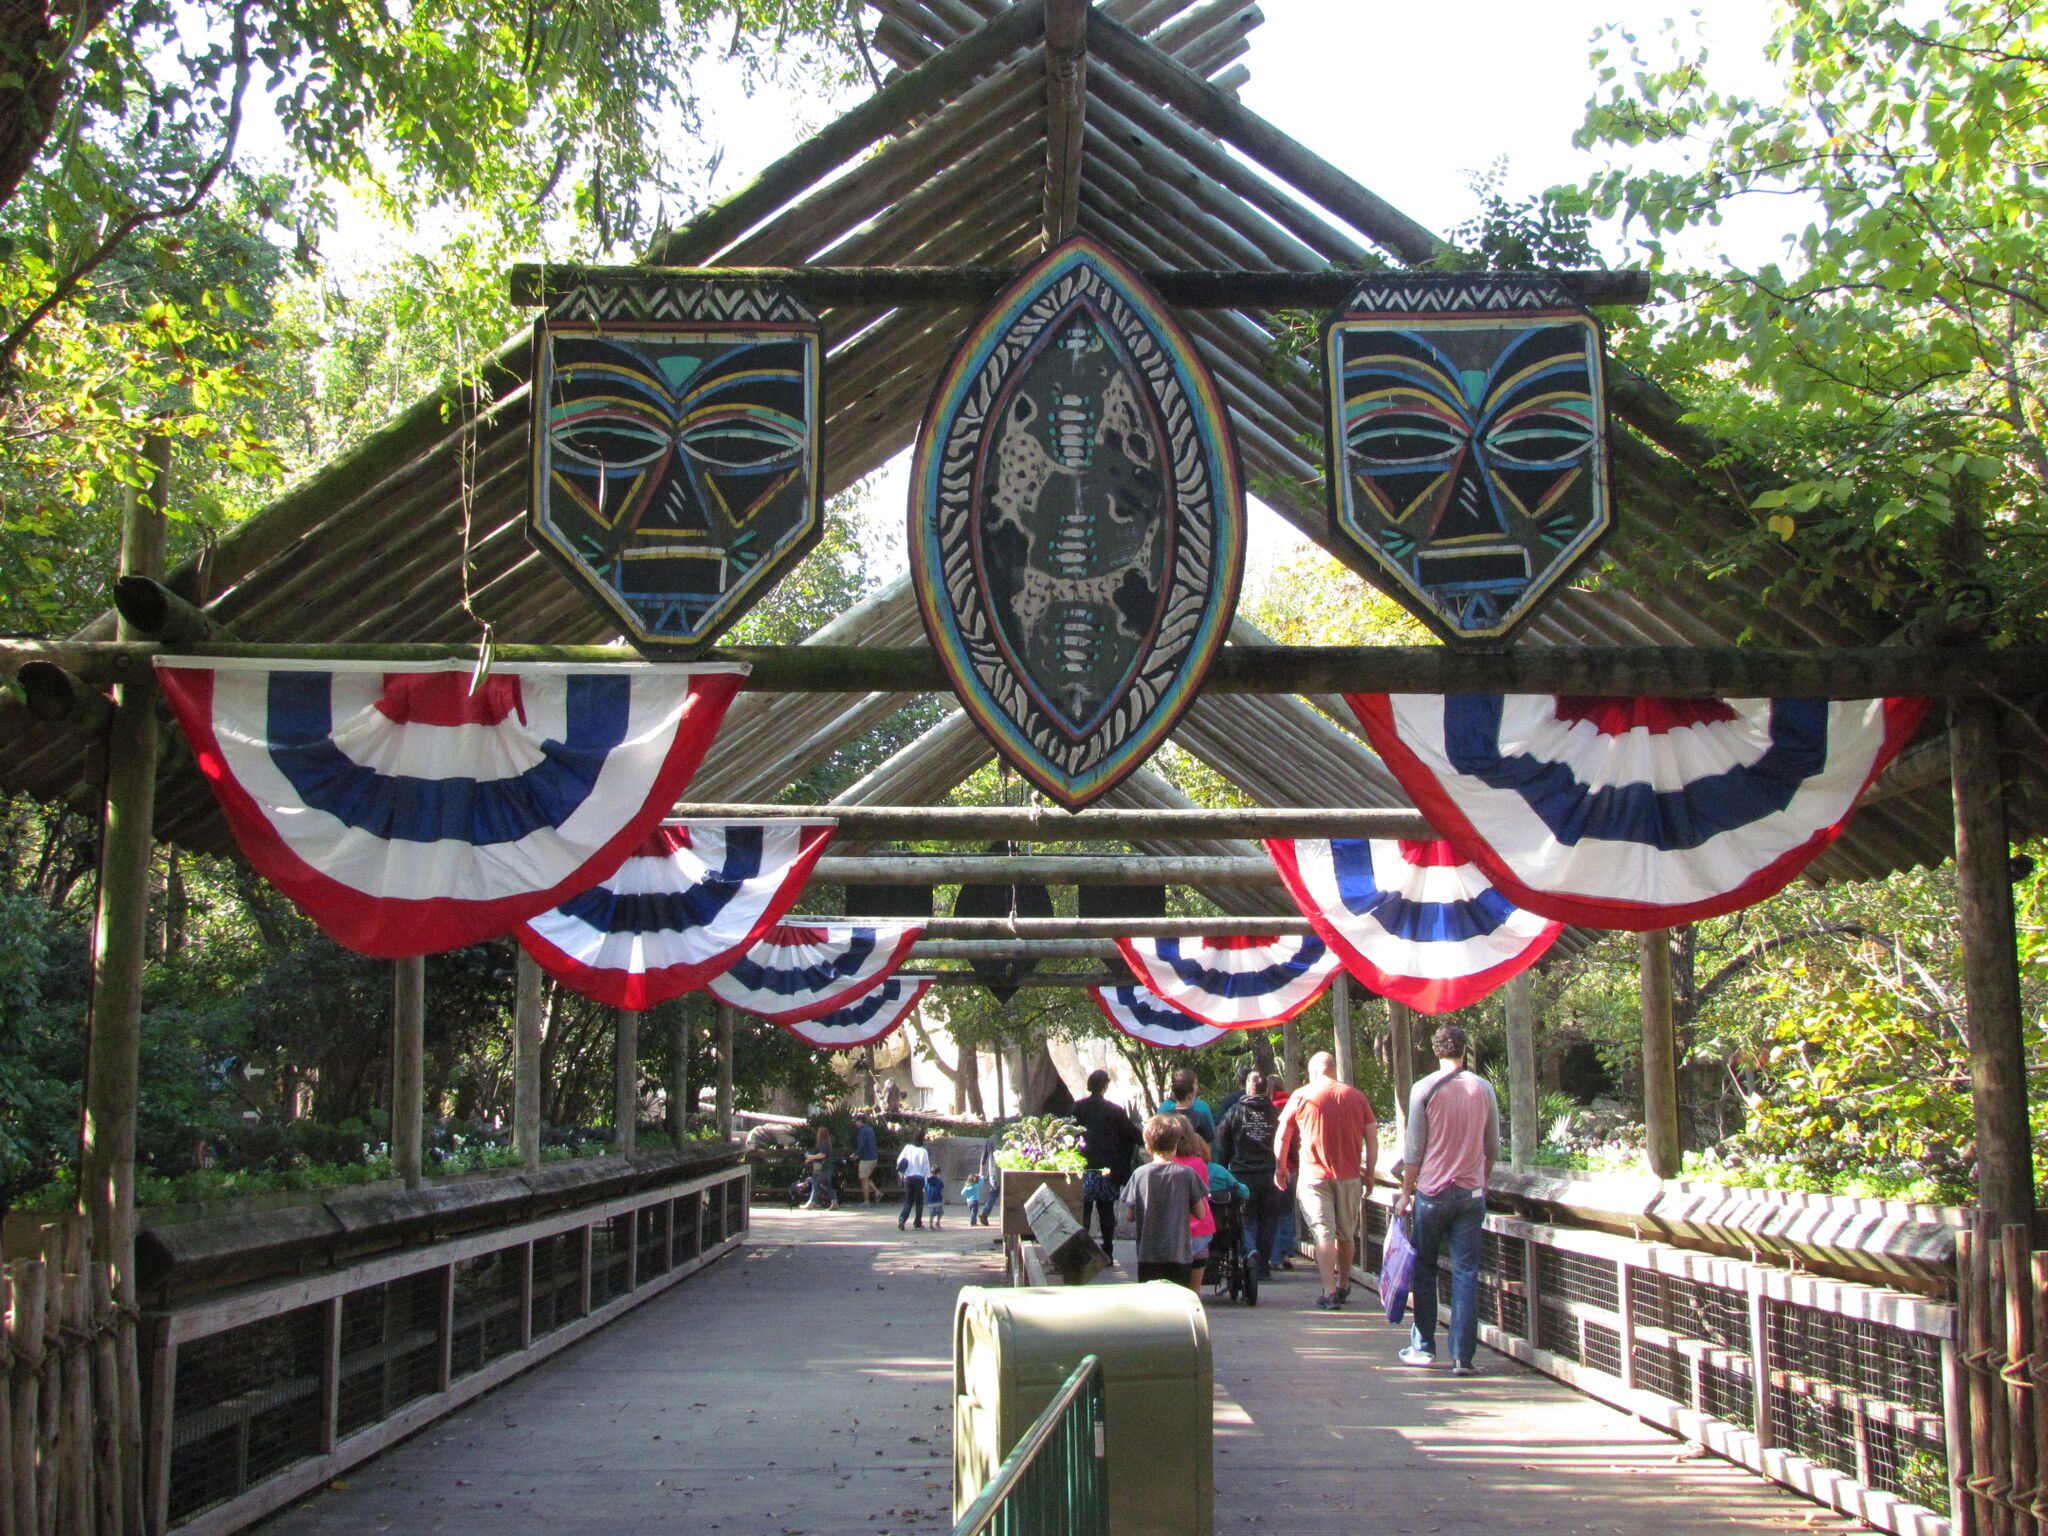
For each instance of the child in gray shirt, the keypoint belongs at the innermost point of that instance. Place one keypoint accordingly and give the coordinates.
(1163, 1199)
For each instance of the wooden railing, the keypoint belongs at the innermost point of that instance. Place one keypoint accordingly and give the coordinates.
(1848, 1393)
(2000, 1470)
(261, 1394)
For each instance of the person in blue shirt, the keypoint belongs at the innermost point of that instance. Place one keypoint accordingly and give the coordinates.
(934, 1199)
(867, 1152)
(1191, 1109)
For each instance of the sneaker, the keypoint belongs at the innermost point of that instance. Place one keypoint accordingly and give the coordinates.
(899, 1226)
(1343, 1294)
(1262, 1269)
(1410, 1355)
(1327, 1303)
(1287, 1264)
(1463, 1368)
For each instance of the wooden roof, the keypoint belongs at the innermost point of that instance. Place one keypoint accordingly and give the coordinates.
(977, 149)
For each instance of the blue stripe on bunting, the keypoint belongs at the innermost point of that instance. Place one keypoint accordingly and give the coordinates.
(1638, 813)
(695, 906)
(786, 982)
(1198, 972)
(862, 1010)
(1149, 1011)
(1421, 922)
(402, 808)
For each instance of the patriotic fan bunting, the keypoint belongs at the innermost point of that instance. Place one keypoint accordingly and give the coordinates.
(690, 900)
(798, 971)
(1636, 813)
(868, 1018)
(1233, 983)
(408, 812)
(1411, 919)
(1139, 1014)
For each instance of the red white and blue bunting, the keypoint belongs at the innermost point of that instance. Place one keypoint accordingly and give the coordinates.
(1140, 1014)
(1233, 983)
(1412, 920)
(1636, 813)
(407, 812)
(798, 971)
(872, 1016)
(692, 899)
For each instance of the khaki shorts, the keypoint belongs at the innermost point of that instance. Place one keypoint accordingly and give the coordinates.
(867, 1168)
(1331, 1206)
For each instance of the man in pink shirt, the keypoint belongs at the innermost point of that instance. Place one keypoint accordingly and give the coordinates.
(1447, 1164)
(1333, 1125)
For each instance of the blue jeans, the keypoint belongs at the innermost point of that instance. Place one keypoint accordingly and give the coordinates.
(1286, 1237)
(1451, 1219)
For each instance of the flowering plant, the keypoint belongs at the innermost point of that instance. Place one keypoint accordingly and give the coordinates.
(1041, 1144)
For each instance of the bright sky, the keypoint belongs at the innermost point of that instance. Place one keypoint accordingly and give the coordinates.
(1408, 100)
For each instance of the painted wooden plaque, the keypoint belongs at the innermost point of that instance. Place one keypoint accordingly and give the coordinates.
(676, 450)
(1076, 522)
(1467, 442)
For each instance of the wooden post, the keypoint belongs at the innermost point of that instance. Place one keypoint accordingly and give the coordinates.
(1524, 1133)
(408, 1065)
(679, 1078)
(1401, 1062)
(725, 1033)
(78, 1450)
(7, 1512)
(1294, 1062)
(1998, 1069)
(526, 1051)
(31, 1298)
(2016, 1244)
(1340, 1029)
(626, 1083)
(1660, 1056)
(114, 1022)
(1066, 105)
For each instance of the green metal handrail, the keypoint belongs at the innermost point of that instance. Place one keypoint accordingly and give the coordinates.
(1055, 1481)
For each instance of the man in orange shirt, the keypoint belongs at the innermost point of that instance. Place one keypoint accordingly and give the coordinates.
(1334, 1127)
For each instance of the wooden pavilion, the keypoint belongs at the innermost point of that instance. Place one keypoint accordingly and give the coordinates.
(1004, 128)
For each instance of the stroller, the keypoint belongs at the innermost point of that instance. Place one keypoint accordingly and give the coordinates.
(1230, 1267)
(800, 1191)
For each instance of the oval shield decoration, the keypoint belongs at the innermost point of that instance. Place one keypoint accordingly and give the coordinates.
(1076, 522)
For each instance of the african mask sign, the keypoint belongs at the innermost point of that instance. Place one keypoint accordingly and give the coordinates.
(1076, 522)
(1467, 442)
(675, 450)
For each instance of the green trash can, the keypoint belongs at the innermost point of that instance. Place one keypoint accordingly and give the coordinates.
(1012, 1350)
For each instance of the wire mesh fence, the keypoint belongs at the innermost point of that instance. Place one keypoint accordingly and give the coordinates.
(1845, 1392)
(294, 1382)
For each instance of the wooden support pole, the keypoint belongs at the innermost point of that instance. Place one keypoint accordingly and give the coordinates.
(113, 1072)
(1660, 1056)
(526, 1053)
(408, 1066)
(1617, 671)
(1054, 869)
(679, 1078)
(1340, 1029)
(1992, 1019)
(1401, 1060)
(726, 1019)
(2016, 1247)
(1294, 1061)
(1524, 1132)
(1066, 107)
(626, 1083)
(950, 287)
(28, 1317)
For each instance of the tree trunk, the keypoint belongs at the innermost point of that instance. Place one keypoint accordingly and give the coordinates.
(38, 59)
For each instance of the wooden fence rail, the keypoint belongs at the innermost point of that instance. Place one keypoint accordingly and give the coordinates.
(2000, 1457)
(62, 1472)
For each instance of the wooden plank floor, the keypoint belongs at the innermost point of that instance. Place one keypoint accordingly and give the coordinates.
(802, 1386)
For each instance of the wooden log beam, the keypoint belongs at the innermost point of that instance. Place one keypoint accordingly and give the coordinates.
(1104, 927)
(153, 609)
(1660, 1056)
(904, 287)
(55, 697)
(1020, 823)
(1704, 672)
(1039, 979)
(1056, 869)
(1014, 949)
(1066, 109)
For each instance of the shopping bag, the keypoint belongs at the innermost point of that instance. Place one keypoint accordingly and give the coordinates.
(1397, 1269)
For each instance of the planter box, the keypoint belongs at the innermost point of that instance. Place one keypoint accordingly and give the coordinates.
(1019, 1186)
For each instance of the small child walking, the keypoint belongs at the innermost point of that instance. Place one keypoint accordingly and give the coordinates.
(1163, 1200)
(934, 1199)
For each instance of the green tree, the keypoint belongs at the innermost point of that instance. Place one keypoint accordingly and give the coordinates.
(1881, 385)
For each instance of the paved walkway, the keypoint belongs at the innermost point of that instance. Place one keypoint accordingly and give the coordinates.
(802, 1388)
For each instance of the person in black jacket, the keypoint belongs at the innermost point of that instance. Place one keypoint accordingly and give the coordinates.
(1108, 1140)
(1244, 1145)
